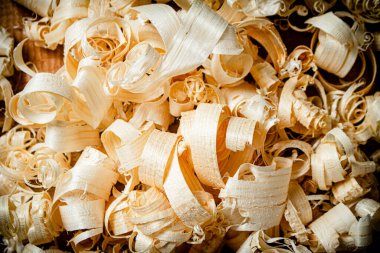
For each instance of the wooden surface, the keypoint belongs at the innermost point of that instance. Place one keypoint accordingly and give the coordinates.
(45, 60)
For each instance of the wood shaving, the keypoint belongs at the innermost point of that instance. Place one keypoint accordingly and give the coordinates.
(192, 126)
(6, 50)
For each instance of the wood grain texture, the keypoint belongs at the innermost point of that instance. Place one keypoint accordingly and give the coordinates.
(46, 60)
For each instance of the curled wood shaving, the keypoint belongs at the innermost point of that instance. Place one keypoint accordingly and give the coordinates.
(192, 128)
(30, 248)
(185, 193)
(6, 49)
(300, 202)
(299, 61)
(337, 37)
(42, 8)
(336, 156)
(79, 194)
(368, 56)
(263, 31)
(240, 133)
(89, 80)
(301, 163)
(6, 93)
(178, 97)
(351, 189)
(19, 61)
(156, 112)
(369, 127)
(209, 124)
(257, 8)
(297, 112)
(361, 231)
(50, 31)
(367, 10)
(261, 241)
(63, 136)
(320, 6)
(48, 166)
(41, 231)
(291, 215)
(350, 106)
(328, 227)
(130, 152)
(8, 219)
(41, 100)
(116, 135)
(228, 69)
(369, 207)
(153, 167)
(28, 218)
(265, 76)
(251, 212)
(184, 95)
(139, 62)
(148, 218)
(230, 14)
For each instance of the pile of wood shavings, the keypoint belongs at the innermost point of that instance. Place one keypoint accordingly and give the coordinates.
(191, 127)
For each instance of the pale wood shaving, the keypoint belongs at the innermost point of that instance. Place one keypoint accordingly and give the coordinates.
(191, 128)
(6, 49)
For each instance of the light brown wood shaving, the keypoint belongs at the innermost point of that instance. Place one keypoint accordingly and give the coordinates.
(320, 6)
(42, 8)
(334, 35)
(6, 49)
(257, 211)
(365, 9)
(327, 228)
(192, 129)
(6, 93)
(257, 8)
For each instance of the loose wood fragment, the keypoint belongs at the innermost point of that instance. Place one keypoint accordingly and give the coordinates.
(191, 128)
(6, 49)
